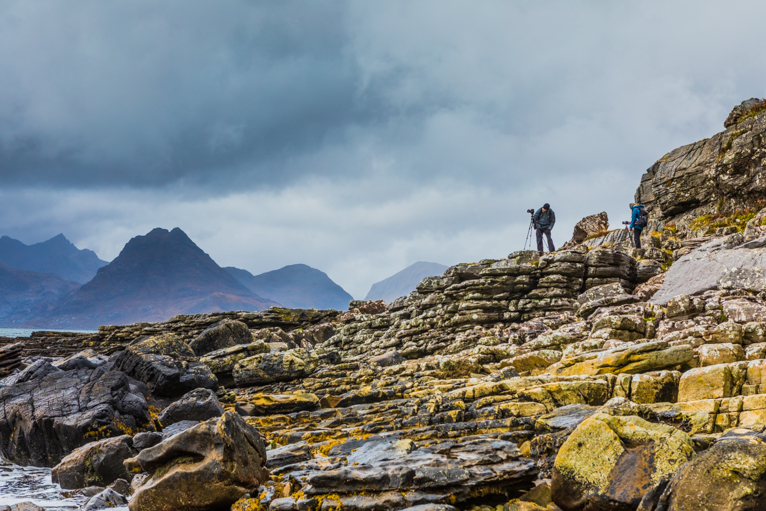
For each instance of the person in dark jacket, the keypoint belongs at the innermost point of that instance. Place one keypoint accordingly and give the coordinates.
(544, 219)
(635, 223)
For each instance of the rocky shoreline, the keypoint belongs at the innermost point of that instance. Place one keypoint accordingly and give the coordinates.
(597, 377)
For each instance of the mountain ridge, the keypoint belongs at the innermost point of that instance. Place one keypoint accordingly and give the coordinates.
(57, 255)
(27, 294)
(155, 276)
(297, 286)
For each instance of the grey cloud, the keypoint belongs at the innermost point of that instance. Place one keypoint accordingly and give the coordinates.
(250, 93)
(357, 137)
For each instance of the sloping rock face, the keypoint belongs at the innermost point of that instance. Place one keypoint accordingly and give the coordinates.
(720, 174)
(727, 263)
(209, 466)
(44, 419)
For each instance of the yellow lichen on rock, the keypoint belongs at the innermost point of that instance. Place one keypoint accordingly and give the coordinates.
(613, 460)
(589, 454)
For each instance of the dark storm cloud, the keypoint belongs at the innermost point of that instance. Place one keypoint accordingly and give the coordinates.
(146, 93)
(266, 93)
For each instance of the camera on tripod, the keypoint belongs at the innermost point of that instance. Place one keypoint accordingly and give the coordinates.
(626, 223)
(531, 211)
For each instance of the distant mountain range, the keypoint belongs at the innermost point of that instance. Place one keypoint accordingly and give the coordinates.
(404, 282)
(57, 256)
(297, 286)
(28, 294)
(155, 277)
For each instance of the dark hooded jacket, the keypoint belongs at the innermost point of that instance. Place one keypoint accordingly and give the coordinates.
(544, 219)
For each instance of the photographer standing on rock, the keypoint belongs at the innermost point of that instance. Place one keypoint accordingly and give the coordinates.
(544, 219)
(638, 221)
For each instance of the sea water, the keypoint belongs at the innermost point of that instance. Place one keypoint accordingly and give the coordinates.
(32, 484)
(26, 332)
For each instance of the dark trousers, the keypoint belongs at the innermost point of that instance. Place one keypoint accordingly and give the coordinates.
(547, 233)
(637, 237)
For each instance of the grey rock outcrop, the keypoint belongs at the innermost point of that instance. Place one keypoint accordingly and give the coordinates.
(718, 175)
(43, 420)
(725, 263)
(166, 364)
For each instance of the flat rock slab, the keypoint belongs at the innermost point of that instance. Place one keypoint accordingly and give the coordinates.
(721, 263)
(443, 468)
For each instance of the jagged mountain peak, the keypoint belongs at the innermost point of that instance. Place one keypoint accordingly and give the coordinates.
(56, 255)
(156, 276)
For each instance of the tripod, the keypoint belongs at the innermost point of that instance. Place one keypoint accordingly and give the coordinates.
(529, 241)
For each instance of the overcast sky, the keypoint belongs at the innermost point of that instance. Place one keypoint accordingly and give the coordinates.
(356, 137)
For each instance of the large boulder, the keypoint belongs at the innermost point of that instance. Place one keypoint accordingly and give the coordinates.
(221, 335)
(611, 462)
(274, 367)
(43, 420)
(197, 405)
(590, 226)
(730, 476)
(166, 364)
(95, 464)
(209, 466)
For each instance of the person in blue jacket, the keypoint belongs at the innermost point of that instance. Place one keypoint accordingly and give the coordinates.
(638, 221)
(544, 219)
